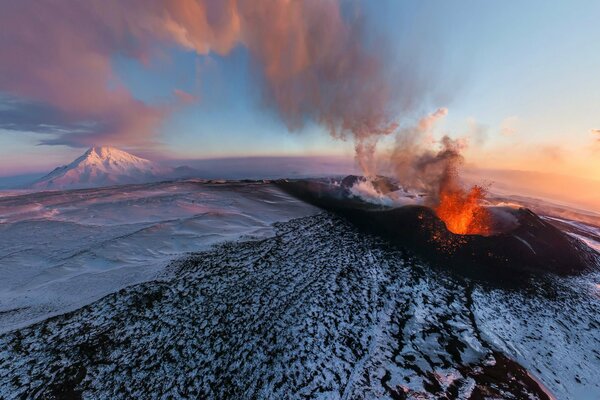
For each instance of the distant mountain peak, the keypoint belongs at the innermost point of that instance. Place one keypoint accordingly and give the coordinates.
(103, 166)
(108, 152)
(108, 156)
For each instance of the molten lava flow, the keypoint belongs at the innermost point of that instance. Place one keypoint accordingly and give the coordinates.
(462, 211)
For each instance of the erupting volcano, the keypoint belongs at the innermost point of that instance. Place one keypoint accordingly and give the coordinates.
(418, 167)
(454, 230)
(461, 209)
(462, 212)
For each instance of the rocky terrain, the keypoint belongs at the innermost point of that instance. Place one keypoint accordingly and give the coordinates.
(318, 310)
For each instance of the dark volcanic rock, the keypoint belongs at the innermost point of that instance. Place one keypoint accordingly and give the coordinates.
(320, 310)
(534, 245)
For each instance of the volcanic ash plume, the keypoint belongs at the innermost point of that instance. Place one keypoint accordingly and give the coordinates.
(436, 173)
(317, 66)
(413, 146)
(312, 59)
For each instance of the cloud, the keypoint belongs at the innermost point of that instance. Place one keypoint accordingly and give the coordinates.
(26, 116)
(509, 126)
(552, 153)
(314, 60)
(426, 123)
(63, 67)
(595, 148)
(476, 132)
(185, 97)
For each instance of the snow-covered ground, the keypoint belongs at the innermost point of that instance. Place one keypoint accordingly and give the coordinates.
(61, 250)
(318, 310)
(268, 298)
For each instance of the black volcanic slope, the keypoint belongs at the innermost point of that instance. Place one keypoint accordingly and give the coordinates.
(320, 310)
(534, 246)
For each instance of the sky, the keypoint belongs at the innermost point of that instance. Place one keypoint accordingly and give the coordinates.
(520, 80)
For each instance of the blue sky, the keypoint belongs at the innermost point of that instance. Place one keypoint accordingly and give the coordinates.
(527, 74)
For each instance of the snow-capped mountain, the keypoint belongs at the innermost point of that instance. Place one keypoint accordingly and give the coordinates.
(104, 166)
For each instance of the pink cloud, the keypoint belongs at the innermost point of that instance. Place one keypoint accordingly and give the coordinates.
(313, 62)
(59, 53)
(185, 97)
(427, 122)
(509, 126)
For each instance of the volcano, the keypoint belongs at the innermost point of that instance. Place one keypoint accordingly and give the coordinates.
(518, 240)
(106, 166)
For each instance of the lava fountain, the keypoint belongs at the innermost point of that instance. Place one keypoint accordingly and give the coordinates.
(462, 211)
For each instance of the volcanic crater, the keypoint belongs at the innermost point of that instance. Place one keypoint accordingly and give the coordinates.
(515, 239)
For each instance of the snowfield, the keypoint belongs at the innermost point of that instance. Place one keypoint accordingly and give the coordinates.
(235, 290)
(61, 250)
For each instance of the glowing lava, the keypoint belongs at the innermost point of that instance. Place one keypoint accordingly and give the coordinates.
(462, 212)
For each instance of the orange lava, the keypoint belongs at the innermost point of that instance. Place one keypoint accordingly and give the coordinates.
(462, 212)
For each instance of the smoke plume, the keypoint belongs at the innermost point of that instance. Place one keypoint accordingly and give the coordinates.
(314, 60)
(414, 163)
(436, 173)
